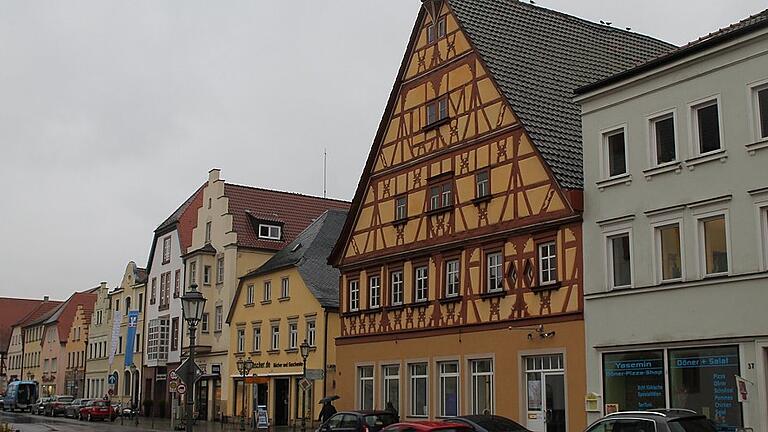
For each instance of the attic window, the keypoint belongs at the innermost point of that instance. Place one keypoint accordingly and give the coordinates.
(269, 232)
(433, 33)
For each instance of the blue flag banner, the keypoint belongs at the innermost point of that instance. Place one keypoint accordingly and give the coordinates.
(133, 320)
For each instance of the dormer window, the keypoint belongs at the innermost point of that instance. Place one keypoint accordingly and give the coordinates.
(269, 232)
(436, 32)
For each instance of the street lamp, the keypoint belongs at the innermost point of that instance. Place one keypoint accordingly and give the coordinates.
(244, 367)
(192, 306)
(304, 348)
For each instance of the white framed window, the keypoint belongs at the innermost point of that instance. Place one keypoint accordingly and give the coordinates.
(614, 152)
(293, 335)
(275, 330)
(256, 343)
(706, 126)
(208, 232)
(494, 272)
(482, 184)
(437, 110)
(241, 340)
(267, 291)
(391, 387)
(354, 295)
(669, 251)
(219, 316)
(269, 232)
(713, 244)
(481, 377)
(192, 272)
(547, 263)
(284, 288)
(663, 138)
(436, 32)
(449, 388)
(311, 332)
(762, 216)
(452, 278)
(760, 109)
(166, 250)
(365, 382)
(206, 275)
(419, 382)
(619, 259)
(396, 287)
(421, 284)
(249, 291)
(401, 207)
(374, 291)
(220, 270)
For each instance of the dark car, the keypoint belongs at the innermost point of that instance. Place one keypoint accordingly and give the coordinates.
(489, 423)
(39, 406)
(663, 420)
(57, 405)
(359, 421)
(98, 409)
(428, 426)
(73, 409)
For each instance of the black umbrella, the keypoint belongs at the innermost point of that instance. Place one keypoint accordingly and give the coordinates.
(328, 399)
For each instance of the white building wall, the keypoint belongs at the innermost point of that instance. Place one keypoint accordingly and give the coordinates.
(157, 269)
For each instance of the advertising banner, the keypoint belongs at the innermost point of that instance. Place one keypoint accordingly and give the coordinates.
(133, 319)
(117, 319)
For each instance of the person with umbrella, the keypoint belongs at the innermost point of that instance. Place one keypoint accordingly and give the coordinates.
(328, 409)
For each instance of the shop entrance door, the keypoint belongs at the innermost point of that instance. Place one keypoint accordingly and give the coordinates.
(282, 393)
(554, 402)
(545, 395)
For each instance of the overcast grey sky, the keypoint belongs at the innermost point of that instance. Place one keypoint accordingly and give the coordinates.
(112, 112)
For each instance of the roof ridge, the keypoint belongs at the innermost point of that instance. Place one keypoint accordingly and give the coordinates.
(721, 30)
(285, 192)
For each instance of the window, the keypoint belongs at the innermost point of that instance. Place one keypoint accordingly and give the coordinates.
(761, 96)
(391, 385)
(670, 253)
(127, 304)
(619, 261)
(311, 333)
(120, 345)
(284, 288)
(219, 317)
(177, 284)
(421, 285)
(293, 336)
(204, 323)
(249, 294)
(401, 208)
(419, 389)
(437, 110)
(208, 232)
(175, 334)
(706, 127)
(715, 245)
(615, 152)
(220, 270)
(117, 305)
(267, 291)
(547, 263)
(374, 292)
(440, 196)
(482, 385)
(206, 275)
(482, 184)
(396, 288)
(241, 340)
(495, 281)
(192, 272)
(257, 339)
(663, 145)
(275, 337)
(436, 32)
(269, 232)
(354, 296)
(452, 278)
(167, 250)
(165, 290)
(449, 389)
(365, 387)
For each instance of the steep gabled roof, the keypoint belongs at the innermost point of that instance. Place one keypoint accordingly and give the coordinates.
(752, 23)
(294, 211)
(41, 313)
(11, 311)
(64, 315)
(191, 204)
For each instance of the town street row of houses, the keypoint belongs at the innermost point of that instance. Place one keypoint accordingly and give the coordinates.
(557, 219)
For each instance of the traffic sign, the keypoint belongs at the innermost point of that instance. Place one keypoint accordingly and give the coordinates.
(305, 384)
(173, 375)
(110, 392)
(173, 386)
(181, 371)
(181, 389)
(314, 374)
(112, 380)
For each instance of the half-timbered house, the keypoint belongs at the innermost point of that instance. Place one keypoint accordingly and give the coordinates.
(461, 261)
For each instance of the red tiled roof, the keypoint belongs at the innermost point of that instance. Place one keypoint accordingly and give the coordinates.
(188, 219)
(13, 310)
(66, 314)
(43, 310)
(295, 211)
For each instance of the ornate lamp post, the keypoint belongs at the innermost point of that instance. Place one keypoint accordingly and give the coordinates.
(304, 347)
(244, 367)
(192, 307)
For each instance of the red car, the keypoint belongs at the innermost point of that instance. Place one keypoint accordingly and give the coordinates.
(427, 426)
(97, 410)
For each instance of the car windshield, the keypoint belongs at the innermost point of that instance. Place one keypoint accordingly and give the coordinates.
(379, 420)
(497, 424)
(691, 424)
(100, 404)
(65, 398)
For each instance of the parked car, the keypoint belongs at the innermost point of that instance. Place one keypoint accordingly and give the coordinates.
(428, 426)
(73, 409)
(39, 406)
(98, 409)
(358, 421)
(57, 405)
(661, 420)
(20, 395)
(489, 423)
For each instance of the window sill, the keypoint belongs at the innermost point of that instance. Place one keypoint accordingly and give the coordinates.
(284, 299)
(439, 210)
(396, 307)
(273, 352)
(451, 299)
(352, 313)
(435, 124)
(291, 350)
(613, 181)
(482, 199)
(249, 305)
(401, 221)
(217, 331)
(755, 146)
(255, 353)
(372, 309)
(419, 303)
(546, 287)
(266, 302)
(675, 166)
(493, 294)
(720, 155)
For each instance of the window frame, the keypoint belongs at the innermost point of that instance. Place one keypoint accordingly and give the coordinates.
(311, 332)
(440, 109)
(218, 317)
(208, 229)
(353, 301)
(486, 182)
(392, 301)
(398, 216)
(441, 378)
(270, 235)
(386, 377)
(240, 340)
(206, 275)
(285, 288)
(445, 188)
(653, 119)
(371, 297)
(293, 335)
(250, 291)
(437, 32)
(256, 338)
(658, 265)
(540, 261)
(762, 226)
(701, 218)
(473, 397)
(693, 125)
(447, 293)
(359, 382)
(417, 279)
(487, 270)
(412, 411)
(754, 91)
(274, 336)
(220, 270)
(267, 291)
(605, 154)
(608, 237)
(166, 249)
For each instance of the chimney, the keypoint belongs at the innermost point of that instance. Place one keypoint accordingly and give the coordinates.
(214, 175)
(103, 285)
(45, 298)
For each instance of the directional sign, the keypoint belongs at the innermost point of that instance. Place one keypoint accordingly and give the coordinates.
(181, 389)
(314, 374)
(181, 371)
(112, 380)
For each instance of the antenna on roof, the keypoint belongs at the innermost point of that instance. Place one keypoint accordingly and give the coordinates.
(325, 161)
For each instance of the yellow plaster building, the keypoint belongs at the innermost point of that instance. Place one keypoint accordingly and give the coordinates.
(75, 351)
(292, 298)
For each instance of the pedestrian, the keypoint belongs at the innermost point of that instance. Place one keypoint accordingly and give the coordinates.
(390, 408)
(327, 411)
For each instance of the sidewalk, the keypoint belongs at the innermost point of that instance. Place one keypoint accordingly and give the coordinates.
(163, 424)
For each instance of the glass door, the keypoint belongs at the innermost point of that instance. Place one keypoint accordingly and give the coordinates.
(545, 393)
(554, 402)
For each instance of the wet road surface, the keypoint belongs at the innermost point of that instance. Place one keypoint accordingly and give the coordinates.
(25, 422)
